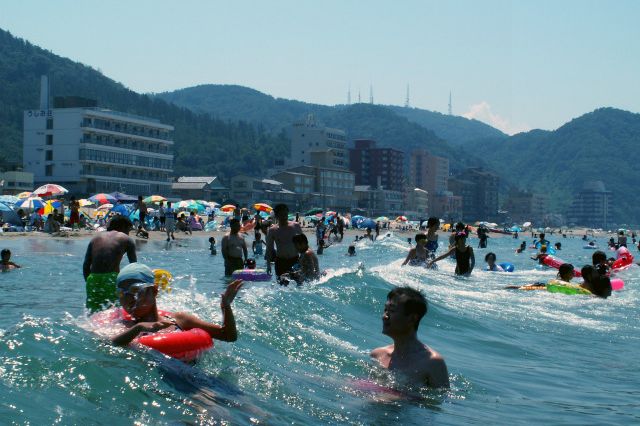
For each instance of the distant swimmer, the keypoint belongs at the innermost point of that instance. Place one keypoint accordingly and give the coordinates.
(465, 259)
(522, 248)
(351, 251)
(432, 236)
(541, 255)
(137, 293)
(409, 357)
(594, 283)
(418, 255)
(6, 263)
(102, 262)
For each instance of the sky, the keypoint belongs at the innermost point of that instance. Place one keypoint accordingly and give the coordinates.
(516, 65)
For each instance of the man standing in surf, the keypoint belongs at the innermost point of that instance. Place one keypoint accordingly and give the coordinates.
(407, 355)
(284, 254)
(102, 262)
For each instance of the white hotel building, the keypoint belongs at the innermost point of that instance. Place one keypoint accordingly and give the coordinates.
(90, 150)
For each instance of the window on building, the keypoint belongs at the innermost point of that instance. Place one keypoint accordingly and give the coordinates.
(48, 155)
(48, 170)
(49, 140)
(49, 123)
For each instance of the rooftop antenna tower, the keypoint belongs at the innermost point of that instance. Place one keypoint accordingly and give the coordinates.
(359, 99)
(349, 95)
(450, 107)
(406, 101)
(371, 94)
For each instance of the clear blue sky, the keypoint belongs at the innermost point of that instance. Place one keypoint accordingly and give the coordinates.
(515, 64)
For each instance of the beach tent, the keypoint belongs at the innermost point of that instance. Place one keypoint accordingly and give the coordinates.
(9, 216)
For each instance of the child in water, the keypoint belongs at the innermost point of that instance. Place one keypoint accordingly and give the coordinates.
(490, 258)
(418, 255)
(6, 263)
(465, 259)
(212, 246)
(351, 251)
(541, 255)
(258, 244)
(522, 248)
(309, 267)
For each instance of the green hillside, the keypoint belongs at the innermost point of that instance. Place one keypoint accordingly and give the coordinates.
(237, 102)
(601, 145)
(203, 145)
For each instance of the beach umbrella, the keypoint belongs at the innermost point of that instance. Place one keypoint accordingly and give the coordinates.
(228, 208)
(84, 202)
(9, 216)
(32, 203)
(401, 219)
(124, 198)
(105, 207)
(103, 199)
(213, 204)
(526, 224)
(262, 207)
(49, 190)
(366, 223)
(515, 229)
(154, 199)
(50, 206)
(382, 219)
(330, 213)
(25, 194)
(313, 211)
(9, 199)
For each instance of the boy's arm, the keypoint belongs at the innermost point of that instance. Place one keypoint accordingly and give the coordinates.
(410, 256)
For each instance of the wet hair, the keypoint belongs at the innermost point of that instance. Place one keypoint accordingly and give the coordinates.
(433, 221)
(280, 207)
(420, 237)
(598, 256)
(601, 286)
(300, 239)
(211, 239)
(459, 226)
(5, 253)
(558, 245)
(587, 273)
(565, 268)
(490, 254)
(234, 221)
(351, 249)
(414, 302)
(542, 235)
(120, 223)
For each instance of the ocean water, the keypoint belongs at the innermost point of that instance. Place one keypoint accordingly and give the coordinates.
(513, 357)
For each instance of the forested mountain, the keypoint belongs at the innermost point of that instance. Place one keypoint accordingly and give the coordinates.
(601, 145)
(203, 145)
(237, 102)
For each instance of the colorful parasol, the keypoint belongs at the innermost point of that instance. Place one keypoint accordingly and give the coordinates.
(25, 194)
(262, 207)
(228, 208)
(32, 203)
(154, 199)
(401, 219)
(50, 190)
(103, 199)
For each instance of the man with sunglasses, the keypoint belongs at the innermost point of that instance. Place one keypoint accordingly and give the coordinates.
(137, 292)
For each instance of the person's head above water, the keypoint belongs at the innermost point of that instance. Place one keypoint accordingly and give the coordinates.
(301, 242)
(565, 272)
(5, 254)
(460, 239)
(137, 289)
(433, 221)
(542, 236)
(490, 258)
(121, 224)
(403, 311)
(460, 226)
(351, 251)
(281, 212)
(234, 225)
(421, 238)
(598, 257)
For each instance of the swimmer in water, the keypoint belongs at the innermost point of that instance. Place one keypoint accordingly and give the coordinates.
(465, 259)
(351, 251)
(594, 283)
(212, 246)
(6, 263)
(432, 236)
(137, 292)
(490, 258)
(418, 255)
(309, 267)
(407, 355)
(564, 276)
(541, 255)
(522, 248)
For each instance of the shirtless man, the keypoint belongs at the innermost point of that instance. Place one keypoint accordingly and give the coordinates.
(234, 249)
(414, 360)
(102, 262)
(284, 254)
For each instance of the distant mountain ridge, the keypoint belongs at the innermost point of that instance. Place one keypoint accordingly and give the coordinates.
(601, 145)
(239, 102)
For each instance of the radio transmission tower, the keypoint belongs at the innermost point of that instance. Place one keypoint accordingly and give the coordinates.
(450, 107)
(406, 101)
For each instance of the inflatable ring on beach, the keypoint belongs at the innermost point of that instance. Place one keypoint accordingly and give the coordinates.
(251, 275)
(185, 345)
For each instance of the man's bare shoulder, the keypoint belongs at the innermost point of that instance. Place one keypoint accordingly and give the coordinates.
(382, 352)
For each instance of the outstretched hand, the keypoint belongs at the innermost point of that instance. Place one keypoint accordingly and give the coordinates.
(231, 292)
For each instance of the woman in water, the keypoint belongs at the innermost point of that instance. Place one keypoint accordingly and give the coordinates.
(465, 259)
(432, 236)
(418, 255)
